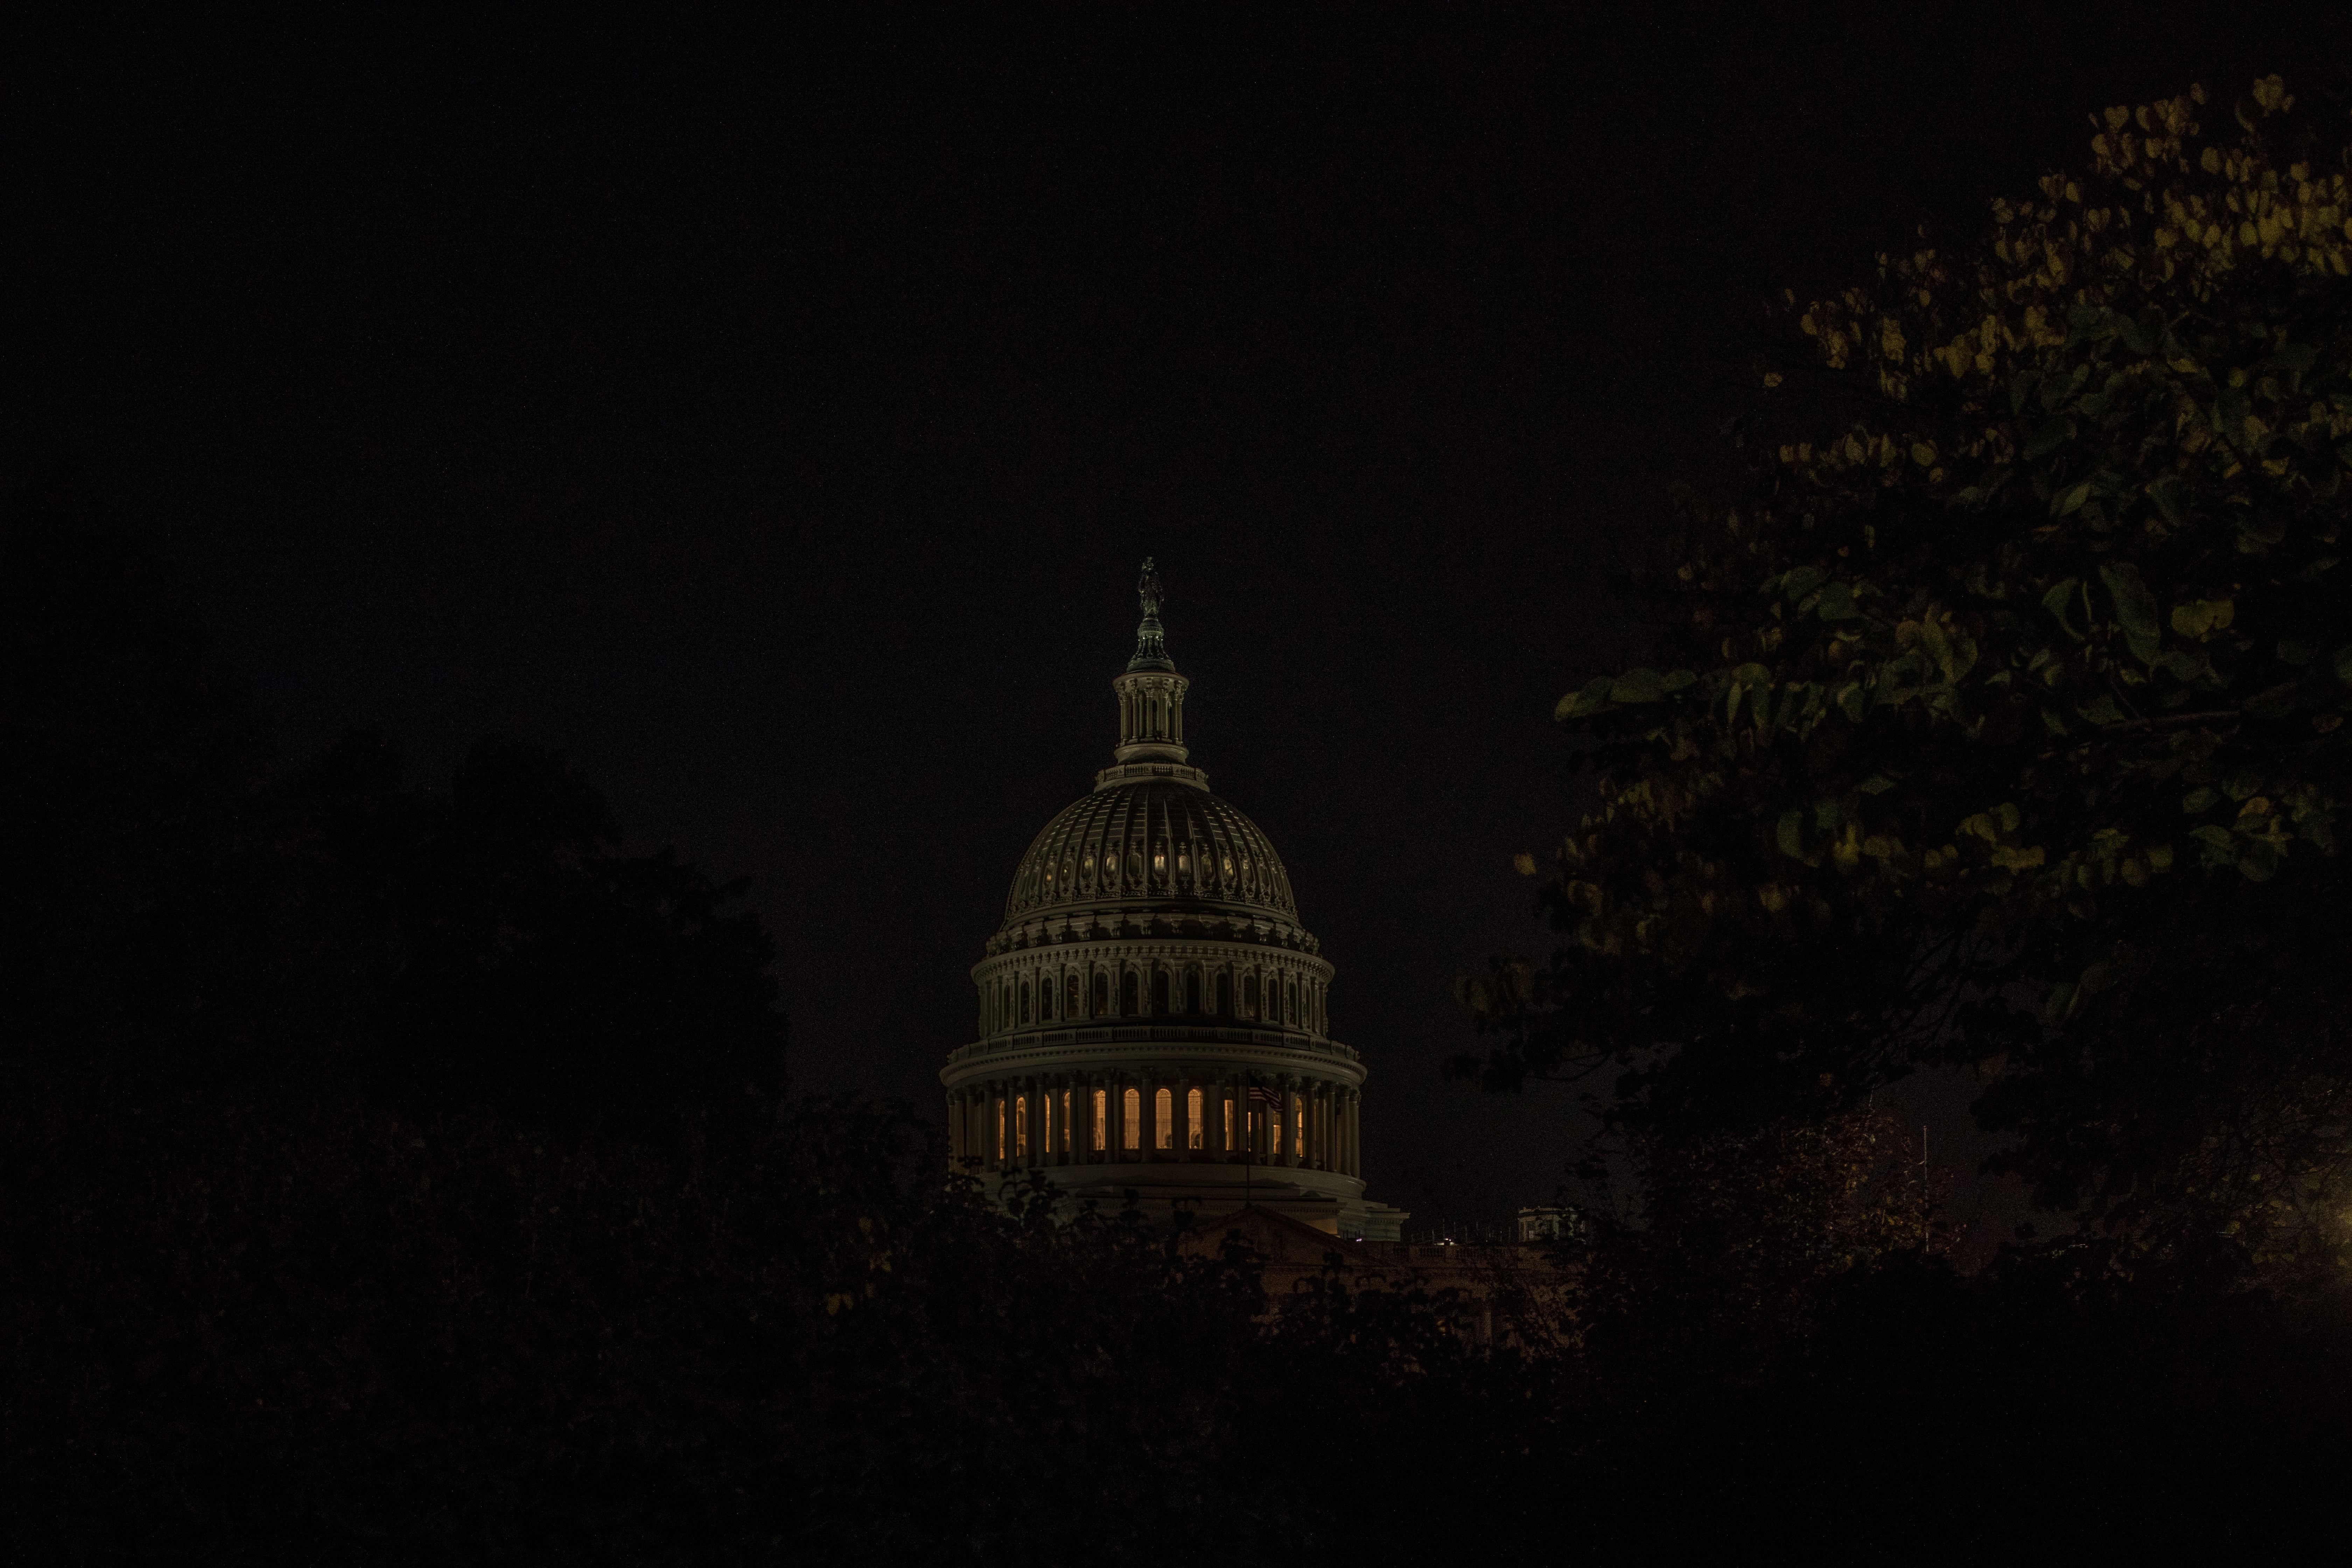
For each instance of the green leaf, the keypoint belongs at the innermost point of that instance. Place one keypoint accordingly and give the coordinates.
(1639, 685)
(2343, 664)
(1837, 604)
(1800, 580)
(1790, 835)
(1581, 704)
(1853, 700)
(2202, 798)
(2102, 711)
(1681, 679)
(2165, 492)
(2276, 703)
(2135, 606)
(1876, 783)
(2203, 617)
(2061, 598)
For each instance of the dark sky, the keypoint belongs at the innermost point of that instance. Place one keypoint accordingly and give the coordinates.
(774, 423)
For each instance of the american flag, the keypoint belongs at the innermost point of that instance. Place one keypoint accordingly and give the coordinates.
(1264, 1096)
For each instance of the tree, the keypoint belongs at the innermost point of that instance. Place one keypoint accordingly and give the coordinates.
(495, 945)
(127, 752)
(2002, 724)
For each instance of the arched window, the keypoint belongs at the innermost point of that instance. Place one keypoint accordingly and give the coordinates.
(1249, 997)
(1192, 990)
(1133, 1120)
(1225, 995)
(1289, 1002)
(1132, 995)
(1159, 862)
(1164, 1119)
(1160, 992)
(1070, 997)
(1196, 1131)
(1028, 1004)
(1102, 995)
(1045, 999)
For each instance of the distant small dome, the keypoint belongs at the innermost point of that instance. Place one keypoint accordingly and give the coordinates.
(1157, 842)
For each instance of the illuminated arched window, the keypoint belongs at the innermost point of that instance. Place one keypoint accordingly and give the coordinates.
(1132, 1122)
(1195, 1130)
(1163, 1119)
(1132, 995)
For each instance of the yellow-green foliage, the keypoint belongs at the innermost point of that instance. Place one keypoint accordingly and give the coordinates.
(2015, 679)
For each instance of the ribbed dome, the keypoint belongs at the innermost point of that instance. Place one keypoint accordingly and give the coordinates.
(1153, 841)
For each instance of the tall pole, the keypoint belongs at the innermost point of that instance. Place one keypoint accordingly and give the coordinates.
(1247, 1114)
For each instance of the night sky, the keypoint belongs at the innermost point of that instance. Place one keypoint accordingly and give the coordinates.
(774, 423)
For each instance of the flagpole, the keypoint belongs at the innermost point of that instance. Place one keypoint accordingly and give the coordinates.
(1249, 1113)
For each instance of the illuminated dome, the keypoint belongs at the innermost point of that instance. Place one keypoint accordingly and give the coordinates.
(1171, 844)
(1152, 1013)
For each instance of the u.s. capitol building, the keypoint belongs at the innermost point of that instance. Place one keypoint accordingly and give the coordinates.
(1153, 1018)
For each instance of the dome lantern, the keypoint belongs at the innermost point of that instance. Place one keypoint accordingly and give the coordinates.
(1151, 694)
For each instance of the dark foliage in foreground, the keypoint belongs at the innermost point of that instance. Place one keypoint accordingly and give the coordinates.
(395, 1177)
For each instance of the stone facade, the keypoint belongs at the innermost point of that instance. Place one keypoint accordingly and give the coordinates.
(1151, 1015)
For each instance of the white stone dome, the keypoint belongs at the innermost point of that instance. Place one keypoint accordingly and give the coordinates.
(1161, 843)
(1152, 1023)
